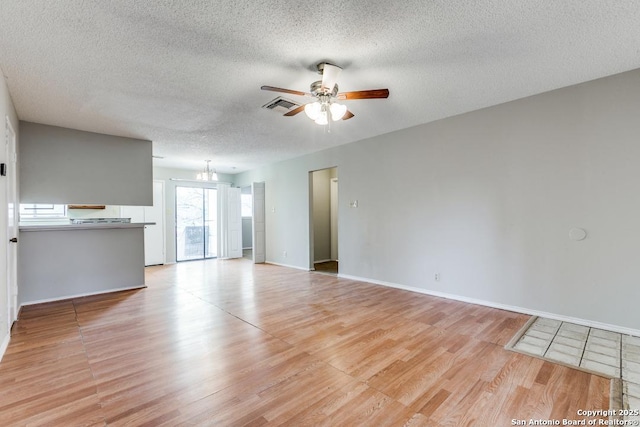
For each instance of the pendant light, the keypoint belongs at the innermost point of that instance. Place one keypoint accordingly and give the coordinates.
(207, 174)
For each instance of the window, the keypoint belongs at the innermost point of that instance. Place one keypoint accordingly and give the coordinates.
(42, 211)
(246, 205)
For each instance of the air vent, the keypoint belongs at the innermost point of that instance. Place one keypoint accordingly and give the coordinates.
(280, 105)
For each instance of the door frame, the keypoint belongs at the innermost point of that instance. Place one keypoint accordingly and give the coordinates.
(161, 226)
(258, 223)
(311, 218)
(12, 222)
(217, 213)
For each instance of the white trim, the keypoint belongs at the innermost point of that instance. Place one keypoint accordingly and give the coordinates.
(323, 260)
(287, 265)
(199, 181)
(5, 344)
(66, 297)
(517, 309)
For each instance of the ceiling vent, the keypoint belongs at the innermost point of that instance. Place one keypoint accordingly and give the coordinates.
(280, 105)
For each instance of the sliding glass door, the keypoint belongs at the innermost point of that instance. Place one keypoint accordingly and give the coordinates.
(196, 223)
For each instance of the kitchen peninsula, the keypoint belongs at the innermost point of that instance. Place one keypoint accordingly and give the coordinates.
(59, 261)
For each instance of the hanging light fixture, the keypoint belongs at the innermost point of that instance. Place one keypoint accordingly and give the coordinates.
(312, 110)
(337, 111)
(207, 174)
(319, 111)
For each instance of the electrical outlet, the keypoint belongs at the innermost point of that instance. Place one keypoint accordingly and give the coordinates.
(437, 277)
(284, 254)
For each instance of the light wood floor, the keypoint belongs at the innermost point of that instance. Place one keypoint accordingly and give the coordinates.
(227, 343)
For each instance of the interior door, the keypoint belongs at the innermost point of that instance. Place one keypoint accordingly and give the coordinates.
(259, 236)
(12, 223)
(234, 223)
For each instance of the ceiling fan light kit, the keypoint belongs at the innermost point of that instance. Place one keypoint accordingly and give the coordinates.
(325, 92)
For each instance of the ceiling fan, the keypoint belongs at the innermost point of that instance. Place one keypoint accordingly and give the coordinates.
(326, 93)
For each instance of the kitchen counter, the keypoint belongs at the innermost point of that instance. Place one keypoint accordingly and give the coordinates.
(66, 227)
(60, 261)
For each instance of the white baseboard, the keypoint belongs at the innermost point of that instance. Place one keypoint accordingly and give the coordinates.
(287, 265)
(517, 309)
(322, 260)
(66, 297)
(5, 344)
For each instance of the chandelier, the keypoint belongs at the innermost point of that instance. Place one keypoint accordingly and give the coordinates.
(207, 174)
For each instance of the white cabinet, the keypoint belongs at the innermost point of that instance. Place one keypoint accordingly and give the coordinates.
(154, 238)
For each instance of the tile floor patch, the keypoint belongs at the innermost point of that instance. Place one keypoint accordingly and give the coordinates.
(608, 335)
(569, 342)
(540, 334)
(594, 350)
(610, 371)
(609, 351)
(531, 349)
(601, 358)
(630, 376)
(573, 351)
(573, 327)
(582, 336)
(633, 402)
(562, 357)
(630, 356)
(629, 339)
(545, 328)
(632, 390)
(605, 342)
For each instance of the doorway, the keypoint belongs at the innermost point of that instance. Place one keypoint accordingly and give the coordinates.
(323, 221)
(246, 210)
(196, 223)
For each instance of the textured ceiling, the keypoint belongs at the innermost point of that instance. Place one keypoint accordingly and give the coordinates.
(187, 74)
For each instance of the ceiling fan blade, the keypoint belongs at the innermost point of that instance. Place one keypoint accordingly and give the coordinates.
(279, 89)
(364, 94)
(330, 74)
(347, 115)
(294, 111)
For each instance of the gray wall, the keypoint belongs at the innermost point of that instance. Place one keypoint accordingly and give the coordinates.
(67, 166)
(247, 233)
(61, 264)
(486, 200)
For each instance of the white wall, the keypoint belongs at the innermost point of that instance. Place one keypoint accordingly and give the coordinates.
(6, 110)
(486, 200)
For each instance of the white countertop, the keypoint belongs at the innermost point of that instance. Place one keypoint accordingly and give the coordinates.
(73, 227)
